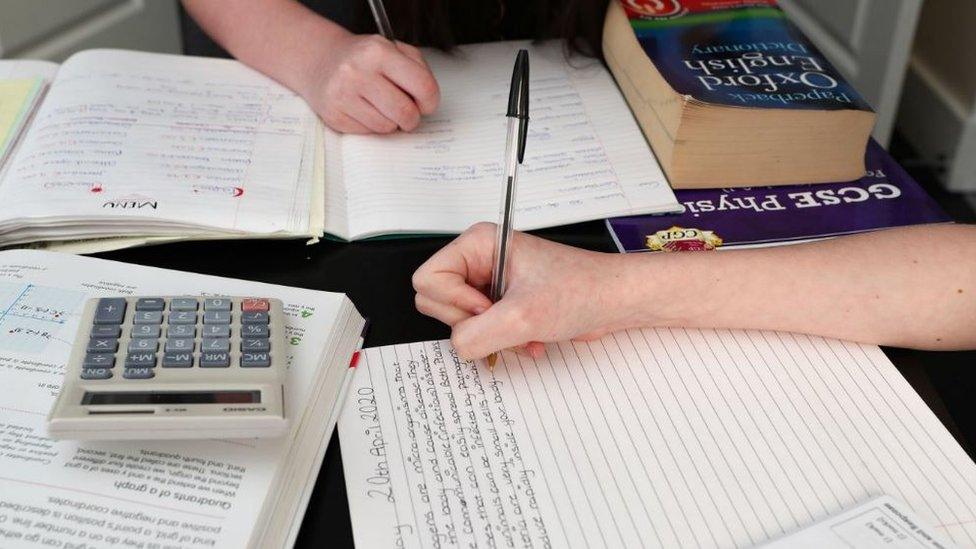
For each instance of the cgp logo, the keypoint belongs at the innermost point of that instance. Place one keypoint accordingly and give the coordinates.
(654, 8)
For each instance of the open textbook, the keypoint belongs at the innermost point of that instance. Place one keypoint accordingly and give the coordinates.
(645, 438)
(140, 148)
(168, 494)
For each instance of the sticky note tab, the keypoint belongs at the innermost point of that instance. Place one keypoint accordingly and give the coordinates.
(16, 99)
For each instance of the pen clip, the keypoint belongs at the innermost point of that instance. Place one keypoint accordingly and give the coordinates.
(518, 99)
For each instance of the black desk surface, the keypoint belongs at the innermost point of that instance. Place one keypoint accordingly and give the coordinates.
(376, 276)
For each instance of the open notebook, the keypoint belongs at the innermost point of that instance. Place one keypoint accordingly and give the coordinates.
(646, 438)
(129, 143)
(138, 148)
(203, 493)
(585, 156)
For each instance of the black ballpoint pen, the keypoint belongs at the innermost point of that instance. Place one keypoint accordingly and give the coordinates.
(518, 127)
(382, 21)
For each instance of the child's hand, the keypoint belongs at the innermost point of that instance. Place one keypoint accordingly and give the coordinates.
(554, 293)
(367, 84)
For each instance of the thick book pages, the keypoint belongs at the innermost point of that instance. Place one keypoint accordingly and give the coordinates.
(885, 197)
(731, 94)
(206, 493)
(585, 156)
(645, 438)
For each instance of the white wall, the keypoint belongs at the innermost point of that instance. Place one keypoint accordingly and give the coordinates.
(938, 110)
(869, 42)
(54, 29)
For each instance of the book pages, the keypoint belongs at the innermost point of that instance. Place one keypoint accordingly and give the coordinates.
(205, 493)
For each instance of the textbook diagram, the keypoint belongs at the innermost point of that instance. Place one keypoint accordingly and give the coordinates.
(33, 318)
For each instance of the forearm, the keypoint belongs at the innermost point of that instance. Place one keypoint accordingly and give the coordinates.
(280, 38)
(911, 287)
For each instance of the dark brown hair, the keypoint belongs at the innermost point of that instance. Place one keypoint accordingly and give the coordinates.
(447, 23)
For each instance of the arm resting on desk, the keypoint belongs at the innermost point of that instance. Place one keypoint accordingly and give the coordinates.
(911, 287)
(356, 83)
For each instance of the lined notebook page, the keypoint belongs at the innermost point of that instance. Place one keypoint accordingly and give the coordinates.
(171, 142)
(585, 157)
(653, 438)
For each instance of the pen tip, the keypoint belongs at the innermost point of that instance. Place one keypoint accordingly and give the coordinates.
(492, 358)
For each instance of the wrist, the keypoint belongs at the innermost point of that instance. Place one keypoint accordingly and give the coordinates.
(668, 289)
(315, 59)
(622, 295)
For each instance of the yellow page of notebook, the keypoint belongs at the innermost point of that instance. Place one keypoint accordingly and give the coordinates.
(16, 99)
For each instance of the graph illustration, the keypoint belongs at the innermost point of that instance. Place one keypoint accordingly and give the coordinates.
(33, 318)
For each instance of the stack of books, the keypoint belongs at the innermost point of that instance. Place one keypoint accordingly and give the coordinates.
(764, 140)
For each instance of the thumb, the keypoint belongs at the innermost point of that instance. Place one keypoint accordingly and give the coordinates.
(502, 326)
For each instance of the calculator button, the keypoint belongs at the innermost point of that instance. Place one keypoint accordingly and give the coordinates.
(214, 360)
(140, 359)
(145, 330)
(256, 344)
(216, 317)
(182, 330)
(184, 344)
(218, 344)
(110, 310)
(182, 317)
(150, 304)
(99, 360)
(142, 344)
(177, 359)
(96, 373)
(183, 304)
(256, 317)
(148, 317)
(103, 345)
(217, 304)
(106, 330)
(254, 330)
(138, 373)
(216, 330)
(255, 360)
(252, 304)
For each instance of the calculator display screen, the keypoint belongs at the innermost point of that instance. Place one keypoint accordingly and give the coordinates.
(173, 397)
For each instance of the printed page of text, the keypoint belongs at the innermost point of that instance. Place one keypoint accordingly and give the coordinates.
(167, 494)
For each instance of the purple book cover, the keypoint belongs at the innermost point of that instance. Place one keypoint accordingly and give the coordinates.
(885, 197)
